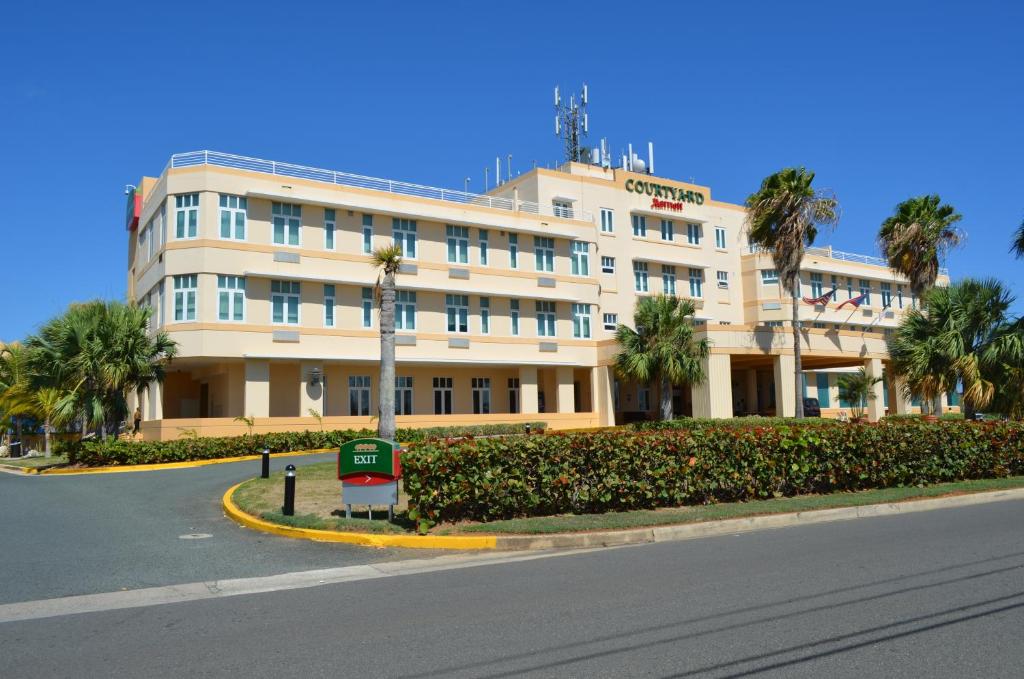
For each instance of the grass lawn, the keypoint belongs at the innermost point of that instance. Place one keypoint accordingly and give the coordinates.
(34, 462)
(318, 505)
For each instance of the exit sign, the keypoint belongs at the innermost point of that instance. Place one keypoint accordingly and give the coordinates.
(369, 462)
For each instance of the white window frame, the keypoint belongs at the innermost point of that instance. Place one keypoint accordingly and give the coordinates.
(640, 281)
(723, 280)
(546, 318)
(514, 317)
(513, 395)
(456, 311)
(233, 211)
(885, 290)
(696, 282)
(403, 234)
(693, 233)
(639, 226)
(513, 250)
(607, 264)
(769, 277)
(544, 253)
(864, 287)
(404, 395)
(360, 395)
(443, 387)
(405, 310)
(668, 230)
(611, 322)
(668, 279)
(481, 387)
(458, 243)
(483, 245)
(186, 297)
(485, 315)
(330, 228)
(580, 255)
(289, 217)
(186, 216)
(367, 232)
(562, 208)
(285, 292)
(607, 220)
(817, 285)
(721, 238)
(330, 312)
(366, 307)
(231, 293)
(581, 321)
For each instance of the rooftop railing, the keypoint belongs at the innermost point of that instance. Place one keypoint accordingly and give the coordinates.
(844, 257)
(273, 167)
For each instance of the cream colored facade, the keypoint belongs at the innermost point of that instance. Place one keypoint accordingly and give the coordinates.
(278, 346)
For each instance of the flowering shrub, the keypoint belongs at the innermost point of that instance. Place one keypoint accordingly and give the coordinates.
(702, 463)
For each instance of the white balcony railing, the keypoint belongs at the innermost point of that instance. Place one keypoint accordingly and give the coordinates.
(844, 257)
(273, 167)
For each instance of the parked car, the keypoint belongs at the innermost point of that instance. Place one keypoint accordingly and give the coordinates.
(812, 408)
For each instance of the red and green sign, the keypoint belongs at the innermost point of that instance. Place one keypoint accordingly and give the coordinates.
(369, 462)
(667, 194)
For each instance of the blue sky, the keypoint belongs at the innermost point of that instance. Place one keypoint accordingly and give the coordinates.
(882, 100)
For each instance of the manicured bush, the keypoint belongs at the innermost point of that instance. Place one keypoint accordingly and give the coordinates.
(124, 451)
(624, 469)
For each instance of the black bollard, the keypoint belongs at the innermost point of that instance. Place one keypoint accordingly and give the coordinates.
(265, 471)
(527, 430)
(289, 491)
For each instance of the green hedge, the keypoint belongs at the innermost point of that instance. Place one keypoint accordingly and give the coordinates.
(124, 451)
(616, 470)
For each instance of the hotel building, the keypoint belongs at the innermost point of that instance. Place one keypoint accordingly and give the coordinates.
(507, 302)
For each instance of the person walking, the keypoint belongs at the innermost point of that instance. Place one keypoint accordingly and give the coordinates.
(137, 421)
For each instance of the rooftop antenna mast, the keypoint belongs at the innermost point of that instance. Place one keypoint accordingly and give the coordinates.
(572, 124)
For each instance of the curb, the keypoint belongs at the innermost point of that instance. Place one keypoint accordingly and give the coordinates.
(120, 469)
(233, 512)
(619, 538)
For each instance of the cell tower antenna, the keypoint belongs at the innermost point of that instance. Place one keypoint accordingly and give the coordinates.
(572, 124)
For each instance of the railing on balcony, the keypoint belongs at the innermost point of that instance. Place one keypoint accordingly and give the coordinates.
(843, 256)
(193, 158)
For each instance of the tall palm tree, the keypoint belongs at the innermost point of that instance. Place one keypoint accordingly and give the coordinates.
(663, 347)
(15, 385)
(917, 237)
(55, 407)
(387, 261)
(1018, 242)
(783, 217)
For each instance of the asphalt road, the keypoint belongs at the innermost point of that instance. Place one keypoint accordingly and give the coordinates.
(65, 535)
(936, 594)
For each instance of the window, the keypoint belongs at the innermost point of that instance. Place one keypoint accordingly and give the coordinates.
(693, 233)
(643, 398)
(483, 237)
(442, 396)
(481, 395)
(544, 253)
(580, 258)
(329, 228)
(185, 290)
(404, 235)
(513, 250)
(458, 244)
(816, 285)
(773, 324)
(513, 394)
(287, 220)
(359, 395)
(403, 396)
(367, 307)
(668, 230)
(640, 276)
(820, 326)
(514, 314)
(457, 309)
(865, 289)
(405, 310)
(232, 216)
(696, 282)
(284, 302)
(581, 321)
(849, 288)
(607, 265)
(329, 306)
(545, 319)
(607, 220)
(720, 242)
(640, 226)
(231, 298)
(186, 215)
(611, 322)
(886, 295)
(769, 276)
(835, 288)
(485, 315)
(899, 295)
(368, 234)
(562, 208)
(668, 279)
(723, 280)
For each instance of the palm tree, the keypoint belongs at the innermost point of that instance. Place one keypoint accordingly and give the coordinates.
(856, 388)
(783, 217)
(662, 347)
(1018, 242)
(55, 407)
(917, 236)
(15, 385)
(387, 261)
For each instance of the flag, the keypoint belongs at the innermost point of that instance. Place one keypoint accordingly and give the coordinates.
(820, 300)
(855, 301)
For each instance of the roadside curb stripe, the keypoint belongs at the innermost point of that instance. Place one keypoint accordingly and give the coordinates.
(232, 511)
(120, 469)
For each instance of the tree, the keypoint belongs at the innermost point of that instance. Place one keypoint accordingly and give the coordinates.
(1018, 242)
(387, 261)
(663, 347)
(55, 407)
(856, 388)
(917, 237)
(783, 217)
(16, 385)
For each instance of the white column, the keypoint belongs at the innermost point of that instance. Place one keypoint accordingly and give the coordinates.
(566, 391)
(601, 397)
(528, 389)
(901, 403)
(751, 390)
(311, 396)
(785, 369)
(257, 388)
(156, 401)
(876, 401)
(713, 397)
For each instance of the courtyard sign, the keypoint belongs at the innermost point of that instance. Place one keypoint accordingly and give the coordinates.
(670, 196)
(369, 470)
